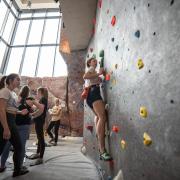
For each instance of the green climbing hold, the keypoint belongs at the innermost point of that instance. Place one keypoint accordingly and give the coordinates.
(102, 63)
(94, 56)
(101, 54)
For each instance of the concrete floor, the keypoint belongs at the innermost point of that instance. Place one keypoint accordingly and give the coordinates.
(62, 162)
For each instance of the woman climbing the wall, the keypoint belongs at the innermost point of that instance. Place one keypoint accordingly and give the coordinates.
(95, 102)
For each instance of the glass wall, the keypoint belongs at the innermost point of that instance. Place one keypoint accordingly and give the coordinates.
(29, 42)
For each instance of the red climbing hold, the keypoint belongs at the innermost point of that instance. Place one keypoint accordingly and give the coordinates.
(91, 49)
(115, 129)
(113, 20)
(107, 77)
(94, 21)
(100, 3)
(89, 127)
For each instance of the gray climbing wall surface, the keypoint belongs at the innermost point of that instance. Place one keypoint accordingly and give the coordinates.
(141, 43)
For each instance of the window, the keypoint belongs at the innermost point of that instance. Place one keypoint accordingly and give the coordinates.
(53, 14)
(26, 15)
(40, 14)
(14, 60)
(21, 33)
(36, 32)
(8, 27)
(3, 10)
(2, 51)
(60, 68)
(30, 58)
(46, 61)
(50, 34)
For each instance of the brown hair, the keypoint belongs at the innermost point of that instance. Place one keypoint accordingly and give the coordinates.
(2, 82)
(11, 77)
(88, 62)
(24, 93)
(44, 92)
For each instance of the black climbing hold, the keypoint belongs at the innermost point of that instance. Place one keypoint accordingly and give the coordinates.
(63, 25)
(128, 49)
(126, 69)
(117, 48)
(112, 39)
(131, 119)
(172, 101)
(134, 7)
(132, 92)
(148, 4)
(149, 71)
(154, 33)
(125, 9)
(143, 175)
(172, 2)
(137, 34)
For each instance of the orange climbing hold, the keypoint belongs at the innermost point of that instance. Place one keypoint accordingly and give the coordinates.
(115, 129)
(113, 21)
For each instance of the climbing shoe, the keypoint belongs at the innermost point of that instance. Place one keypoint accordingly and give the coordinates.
(105, 156)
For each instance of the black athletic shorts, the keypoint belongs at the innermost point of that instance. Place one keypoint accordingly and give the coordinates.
(93, 95)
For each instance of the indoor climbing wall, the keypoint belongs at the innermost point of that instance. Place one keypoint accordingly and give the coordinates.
(139, 41)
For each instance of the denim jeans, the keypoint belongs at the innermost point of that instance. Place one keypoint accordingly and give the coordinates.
(24, 133)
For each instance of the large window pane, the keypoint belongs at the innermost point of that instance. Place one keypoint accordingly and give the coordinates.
(26, 15)
(3, 10)
(50, 33)
(46, 62)
(36, 32)
(8, 27)
(30, 61)
(53, 14)
(21, 32)
(40, 14)
(2, 51)
(60, 68)
(14, 60)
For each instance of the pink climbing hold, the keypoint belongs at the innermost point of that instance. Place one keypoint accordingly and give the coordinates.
(113, 21)
(100, 3)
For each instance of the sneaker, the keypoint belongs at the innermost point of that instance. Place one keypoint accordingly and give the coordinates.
(105, 156)
(2, 169)
(37, 162)
(50, 141)
(33, 156)
(54, 144)
(20, 173)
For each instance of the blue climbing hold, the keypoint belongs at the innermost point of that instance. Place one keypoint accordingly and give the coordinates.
(137, 34)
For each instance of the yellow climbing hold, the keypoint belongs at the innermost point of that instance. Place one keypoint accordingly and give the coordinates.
(140, 64)
(143, 112)
(114, 82)
(123, 144)
(147, 139)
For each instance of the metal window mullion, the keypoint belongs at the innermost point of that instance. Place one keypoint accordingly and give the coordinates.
(9, 7)
(24, 51)
(39, 53)
(8, 49)
(56, 48)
